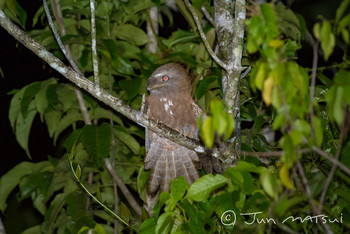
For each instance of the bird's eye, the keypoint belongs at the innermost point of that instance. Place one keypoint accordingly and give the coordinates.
(165, 78)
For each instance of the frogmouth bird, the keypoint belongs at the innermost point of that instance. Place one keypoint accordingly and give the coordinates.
(170, 102)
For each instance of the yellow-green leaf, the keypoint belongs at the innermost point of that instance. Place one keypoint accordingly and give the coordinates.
(318, 132)
(261, 75)
(284, 176)
(207, 133)
(276, 43)
(267, 91)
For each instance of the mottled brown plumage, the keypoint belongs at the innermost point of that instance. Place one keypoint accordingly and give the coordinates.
(170, 103)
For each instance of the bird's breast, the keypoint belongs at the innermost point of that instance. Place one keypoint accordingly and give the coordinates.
(176, 113)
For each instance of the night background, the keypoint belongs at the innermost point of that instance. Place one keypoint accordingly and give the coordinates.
(21, 67)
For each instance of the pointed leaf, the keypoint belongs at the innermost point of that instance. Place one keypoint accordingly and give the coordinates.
(204, 186)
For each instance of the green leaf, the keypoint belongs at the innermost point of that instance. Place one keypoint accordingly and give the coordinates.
(32, 230)
(78, 172)
(148, 227)
(142, 179)
(69, 119)
(132, 34)
(284, 176)
(97, 140)
(12, 178)
(261, 75)
(11, 4)
(201, 189)
(327, 39)
(207, 132)
(131, 86)
(341, 9)
(342, 78)
(164, 223)
(178, 188)
(23, 126)
(123, 135)
(270, 19)
(22, 14)
(125, 212)
(202, 53)
(76, 205)
(203, 86)
(40, 97)
(270, 184)
(52, 120)
(28, 95)
(317, 31)
(15, 107)
(318, 131)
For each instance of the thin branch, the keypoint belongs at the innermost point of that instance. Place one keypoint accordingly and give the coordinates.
(268, 154)
(93, 46)
(309, 194)
(152, 30)
(343, 130)
(245, 73)
(207, 15)
(312, 86)
(332, 159)
(65, 50)
(123, 188)
(204, 38)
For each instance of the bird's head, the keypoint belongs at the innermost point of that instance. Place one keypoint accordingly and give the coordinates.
(169, 78)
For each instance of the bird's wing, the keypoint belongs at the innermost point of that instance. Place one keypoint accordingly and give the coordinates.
(168, 160)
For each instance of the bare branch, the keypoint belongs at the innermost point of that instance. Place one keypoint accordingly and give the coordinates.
(204, 38)
(332, 159)
(207, 15)
(93, 46)
(312, 86)
(66, 51)
(343, 129)
(314, 209)
(123, 188)
(152, 30)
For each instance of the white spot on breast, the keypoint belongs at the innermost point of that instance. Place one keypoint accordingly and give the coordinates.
(167, 105)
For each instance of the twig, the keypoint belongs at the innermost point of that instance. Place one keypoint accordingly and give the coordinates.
(343, 130)
(204, 38)
(207, 15)
(67, 54)
(93, 46)
(152, 30)
(268, 154)
(309, 194)
(332, 159)
(123, 188)
(245, 73)
(312, 86)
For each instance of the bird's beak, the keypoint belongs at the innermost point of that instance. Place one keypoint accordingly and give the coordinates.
(155, 86)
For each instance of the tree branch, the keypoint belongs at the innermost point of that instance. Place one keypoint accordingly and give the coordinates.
(123, 188)
(93, 46)
(204, 38)
(230, 31)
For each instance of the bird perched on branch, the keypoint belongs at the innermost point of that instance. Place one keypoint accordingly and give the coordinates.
(170, 103)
